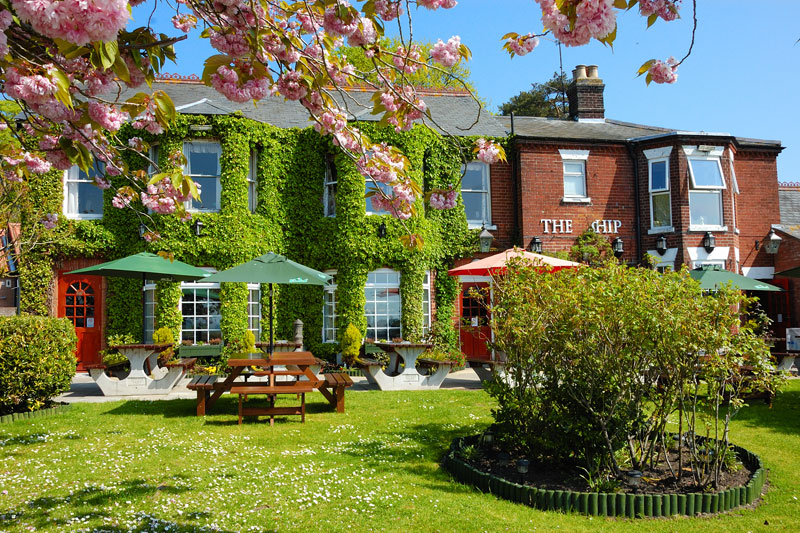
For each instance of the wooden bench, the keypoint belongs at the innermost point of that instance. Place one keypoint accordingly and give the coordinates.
(203, 385)
(295, 387)
(337, 383)
(186, 363)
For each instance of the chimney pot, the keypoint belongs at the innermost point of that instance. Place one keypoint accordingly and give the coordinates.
(579, 72)
(591, 71)
(585, 94)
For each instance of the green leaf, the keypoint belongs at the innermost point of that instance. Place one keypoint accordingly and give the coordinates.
(652, 19)
(62, 87)
(645, 67)
(212, 64)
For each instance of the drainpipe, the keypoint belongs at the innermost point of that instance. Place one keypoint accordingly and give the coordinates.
(515, 196)
(637, 202)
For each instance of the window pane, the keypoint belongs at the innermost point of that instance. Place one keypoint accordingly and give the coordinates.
(90, 199)
(474, 206)
(208, 194)
(474, 178)
(573, 168)
(386, 188)
(706, 172)
(661, 210)
(658, 176)
(574, 186)
(203, 163)
(705, 208)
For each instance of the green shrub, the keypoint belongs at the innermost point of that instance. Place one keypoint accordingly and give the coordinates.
(351, 344)
(37, 360)
(111, 356)
(327, 351)
(164, 335)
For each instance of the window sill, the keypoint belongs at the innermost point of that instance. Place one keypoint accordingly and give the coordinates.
(83, 217)
(708, 228)
(475, 225)
(576, 200)
(661, 229)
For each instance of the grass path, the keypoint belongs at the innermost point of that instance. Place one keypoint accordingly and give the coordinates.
(153, 466)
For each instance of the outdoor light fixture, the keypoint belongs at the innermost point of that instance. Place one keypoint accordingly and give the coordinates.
(503, 458)
(523, 465)
(772, 243)
(617, 246)
(382, 230)
(709, 242)
(535, 245)
(485, 239)
(633, 478)
(661, 245)
(142, 230)
(488, 438)
(198, 228)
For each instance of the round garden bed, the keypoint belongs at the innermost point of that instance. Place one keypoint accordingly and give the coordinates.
(503, 481)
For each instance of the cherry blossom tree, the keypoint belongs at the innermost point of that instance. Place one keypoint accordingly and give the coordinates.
(65, 62)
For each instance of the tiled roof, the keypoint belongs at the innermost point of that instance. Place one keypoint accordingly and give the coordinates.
(607, 130)
(789, 199)
(454, 112)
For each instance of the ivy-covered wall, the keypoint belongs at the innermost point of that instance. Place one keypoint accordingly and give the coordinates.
(288, 220)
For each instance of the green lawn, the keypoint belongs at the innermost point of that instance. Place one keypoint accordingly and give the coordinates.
(154, 466)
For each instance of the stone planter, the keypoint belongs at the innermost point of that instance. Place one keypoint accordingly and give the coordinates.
(202, 350)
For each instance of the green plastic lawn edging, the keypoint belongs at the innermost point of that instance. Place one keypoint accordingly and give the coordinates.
(49, 411)
(609, 504)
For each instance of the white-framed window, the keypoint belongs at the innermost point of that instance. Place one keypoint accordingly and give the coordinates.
(149, 311)
(254, 310)
(202, 165)
(201, 312)
(252, 182)
(386, 188)
(426, 303)
(382, 306)
(698, 264)
(329, 184)
(330, 319)
(706, 183)
(658, 183)
(83, 199)
(153, 153)
(476, 193)
(574, 166)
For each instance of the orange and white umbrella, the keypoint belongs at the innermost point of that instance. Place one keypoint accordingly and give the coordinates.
(496, 264)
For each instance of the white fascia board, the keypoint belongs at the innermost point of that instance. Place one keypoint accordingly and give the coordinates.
(658, 153)
(581, 155)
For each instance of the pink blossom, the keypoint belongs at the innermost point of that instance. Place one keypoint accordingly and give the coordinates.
(364, 35)
(233, 44)
(184, 22)
(152, 236)
(331, 121)
(309, 22)
(487, 151)
(226, 80)
(436, 4)
(36, 164)
(388, 10)
(123, 198)
(593, 19)
(447, 54)
(137, 144)
(162, 197)
(290, 86)
(49, 221)
(443, 199)
(58, 159)
(136, 75)
(524, 44)
(381, 163)
(13, 176)
(335, 25)
(107, 116)
(407, 61)
(666, 9)
(76, 21)
(664, 71)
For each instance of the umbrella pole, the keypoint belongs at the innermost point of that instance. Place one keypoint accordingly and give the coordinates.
(271, 339)
(144, 312)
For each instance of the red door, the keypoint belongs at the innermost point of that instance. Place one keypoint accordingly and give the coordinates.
(80, 300)
(776, 306)
(474, 327)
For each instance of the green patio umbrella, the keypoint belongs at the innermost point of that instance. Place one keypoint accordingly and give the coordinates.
(145, 266)
(711, 277)
(791, 273)
(271, 268)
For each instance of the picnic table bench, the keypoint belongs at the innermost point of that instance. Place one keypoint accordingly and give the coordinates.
(298, 364)
(485, 368)
(157, 380)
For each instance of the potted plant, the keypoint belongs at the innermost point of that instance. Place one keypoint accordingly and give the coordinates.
(201, 349)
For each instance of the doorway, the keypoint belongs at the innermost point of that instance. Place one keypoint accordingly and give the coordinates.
(80, 301)
(474, 330)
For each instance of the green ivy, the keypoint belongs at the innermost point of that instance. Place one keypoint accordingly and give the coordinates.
(288, 220)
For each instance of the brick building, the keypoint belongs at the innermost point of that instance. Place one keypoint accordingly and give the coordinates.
(685, 198)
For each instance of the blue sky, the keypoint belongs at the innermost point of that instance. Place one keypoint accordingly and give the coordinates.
(742, 78)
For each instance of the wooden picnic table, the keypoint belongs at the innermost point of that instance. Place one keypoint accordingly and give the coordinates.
(299, 367)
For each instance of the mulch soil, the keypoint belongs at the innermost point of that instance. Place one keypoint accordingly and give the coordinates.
(553, 476)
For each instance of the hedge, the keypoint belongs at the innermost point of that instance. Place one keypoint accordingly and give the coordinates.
(37, 361)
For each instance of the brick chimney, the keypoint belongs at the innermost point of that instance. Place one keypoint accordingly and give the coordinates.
(585, 94)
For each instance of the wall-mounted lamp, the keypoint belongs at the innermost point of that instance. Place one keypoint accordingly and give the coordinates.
(198, 228)
(142, 230)
(661, 245)
(772, 243)
(535, 245)
(709, 242)
(485, 238)
(382, 230)
(618, 247)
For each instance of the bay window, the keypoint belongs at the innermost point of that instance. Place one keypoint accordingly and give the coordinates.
(706, 184)
(659, 189)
